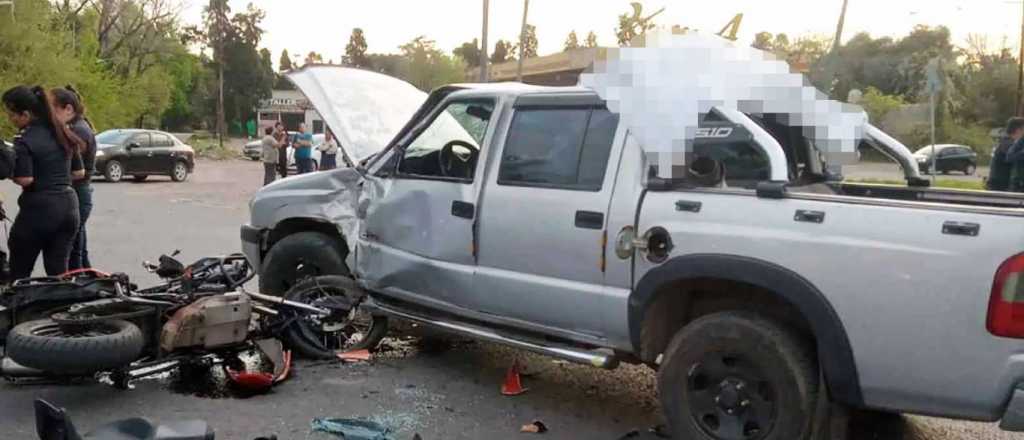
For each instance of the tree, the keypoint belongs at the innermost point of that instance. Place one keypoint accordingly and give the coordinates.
(216, 32)
(763, 41)
(284, 64)
(530, 42)
(313, 58)
(591, 40)
(426, 67)
(572, 42)
(355, 50)
(632, 25)
(503, 52)
(469, 52)
(878, 104)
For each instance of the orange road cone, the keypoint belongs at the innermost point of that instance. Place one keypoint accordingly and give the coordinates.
(512, 386)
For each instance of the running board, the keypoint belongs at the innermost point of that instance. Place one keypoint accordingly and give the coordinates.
(592, 358)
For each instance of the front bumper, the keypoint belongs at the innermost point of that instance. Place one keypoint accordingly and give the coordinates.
(1013, 418)
(252, 246)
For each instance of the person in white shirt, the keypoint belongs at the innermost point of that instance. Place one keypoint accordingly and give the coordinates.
(328, 152)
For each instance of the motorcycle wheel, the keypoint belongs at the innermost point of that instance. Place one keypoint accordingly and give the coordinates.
(316, 338)
(48, 346)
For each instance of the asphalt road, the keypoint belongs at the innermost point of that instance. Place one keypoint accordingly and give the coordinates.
(446, 393)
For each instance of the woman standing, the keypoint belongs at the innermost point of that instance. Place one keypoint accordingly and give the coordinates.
(47, 158)
(328, 152)
(70, 111)
(282, 153)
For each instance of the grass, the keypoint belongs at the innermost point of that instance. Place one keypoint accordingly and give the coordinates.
(208, 148)
(939, 183)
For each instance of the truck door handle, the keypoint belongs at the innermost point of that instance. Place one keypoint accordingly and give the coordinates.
(688, 205)
(961, 228)
(809, 216)
(462, 209)
(589, 220)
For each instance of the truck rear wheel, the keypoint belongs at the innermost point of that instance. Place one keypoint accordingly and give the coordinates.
(299, 256)
(738, 376)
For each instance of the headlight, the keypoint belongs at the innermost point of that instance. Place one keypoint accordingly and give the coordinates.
(100, 153)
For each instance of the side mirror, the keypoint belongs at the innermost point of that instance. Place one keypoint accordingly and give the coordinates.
(131, 146)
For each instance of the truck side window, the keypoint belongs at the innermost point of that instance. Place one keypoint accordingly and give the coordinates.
(743, 164)
(450, 146)
(559, 148)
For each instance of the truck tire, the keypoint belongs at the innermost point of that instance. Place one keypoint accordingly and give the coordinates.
(45, 345)
(737, 376)
(322, 339)
(298, 256)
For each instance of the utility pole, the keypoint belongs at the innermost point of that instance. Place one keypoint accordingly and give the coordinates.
(839, 29)
(483, 46)
(832, 60)
(1020, 65)
(522, 42)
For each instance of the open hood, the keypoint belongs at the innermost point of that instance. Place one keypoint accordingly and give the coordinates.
(364, 109)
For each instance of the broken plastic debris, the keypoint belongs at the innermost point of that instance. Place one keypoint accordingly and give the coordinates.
(353, 429)
(259, 382)
(355, 356)
(512, 386)
(535, 427)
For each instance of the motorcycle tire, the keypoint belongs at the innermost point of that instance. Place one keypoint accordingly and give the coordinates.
(47, 346)
(313, 340)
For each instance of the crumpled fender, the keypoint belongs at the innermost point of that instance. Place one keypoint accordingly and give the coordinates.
(329, 196)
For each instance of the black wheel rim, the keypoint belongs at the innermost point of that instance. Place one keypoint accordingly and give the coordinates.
(730, 399)
(337, 332)
(74, 331)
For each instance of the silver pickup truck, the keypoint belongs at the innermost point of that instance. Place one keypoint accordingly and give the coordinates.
(763, 288)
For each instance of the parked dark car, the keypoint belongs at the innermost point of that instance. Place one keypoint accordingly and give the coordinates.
(950, 157)
(142, 153)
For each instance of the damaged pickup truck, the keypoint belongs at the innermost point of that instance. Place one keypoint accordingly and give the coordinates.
(767, 292)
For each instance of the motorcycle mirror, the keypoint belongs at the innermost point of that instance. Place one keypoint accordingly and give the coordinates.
(176, 252)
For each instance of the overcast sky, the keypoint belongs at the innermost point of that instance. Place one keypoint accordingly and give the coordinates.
(324, 25)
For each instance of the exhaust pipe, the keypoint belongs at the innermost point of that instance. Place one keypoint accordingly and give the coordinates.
(9, 368)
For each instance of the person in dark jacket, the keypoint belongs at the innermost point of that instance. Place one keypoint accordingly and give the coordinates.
(47, 159)
(282, 152)
(70, 110)
(1000, 168)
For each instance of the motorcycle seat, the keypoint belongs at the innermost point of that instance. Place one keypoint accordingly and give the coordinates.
(53, 423)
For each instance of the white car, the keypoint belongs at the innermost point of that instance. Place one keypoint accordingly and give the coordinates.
(254, 150)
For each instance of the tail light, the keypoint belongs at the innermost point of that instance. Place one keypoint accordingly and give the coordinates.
(1006, 305)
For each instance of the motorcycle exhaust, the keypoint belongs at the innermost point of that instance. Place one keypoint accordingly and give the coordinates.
(9, 368)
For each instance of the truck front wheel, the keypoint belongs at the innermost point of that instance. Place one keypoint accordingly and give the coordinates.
(300, 256)
(738, 376)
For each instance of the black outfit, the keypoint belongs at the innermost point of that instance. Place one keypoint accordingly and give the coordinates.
(83, 188)
(47, 218)
(1015, 157)
(282, 157)
(1000, 168)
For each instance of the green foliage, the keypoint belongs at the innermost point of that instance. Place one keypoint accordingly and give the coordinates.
(284, 64)
(426, 67)
(591, 40)
(503, 52)
(878, 104)
(469, 52)
(939, 183)
(634, 24)
(355, 50)
(530, 42)
(572, 42)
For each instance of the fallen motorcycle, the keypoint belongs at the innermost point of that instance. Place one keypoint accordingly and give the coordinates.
(201, 314)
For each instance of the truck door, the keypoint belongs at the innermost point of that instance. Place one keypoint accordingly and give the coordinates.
(543, 216)
(417, 238)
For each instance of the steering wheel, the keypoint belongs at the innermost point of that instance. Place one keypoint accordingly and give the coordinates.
(447, 158)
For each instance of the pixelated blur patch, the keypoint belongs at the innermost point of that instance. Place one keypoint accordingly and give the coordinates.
(661, 89)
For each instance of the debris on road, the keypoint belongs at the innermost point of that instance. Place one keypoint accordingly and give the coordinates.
(535, 427)
(353, 429)
(513, 385)
(355, 356)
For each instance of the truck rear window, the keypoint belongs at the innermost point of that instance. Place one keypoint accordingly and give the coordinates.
(558, 147)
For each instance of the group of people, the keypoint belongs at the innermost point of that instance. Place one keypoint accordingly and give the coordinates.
(53, 160)
(275, 144)
(1006, 172)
